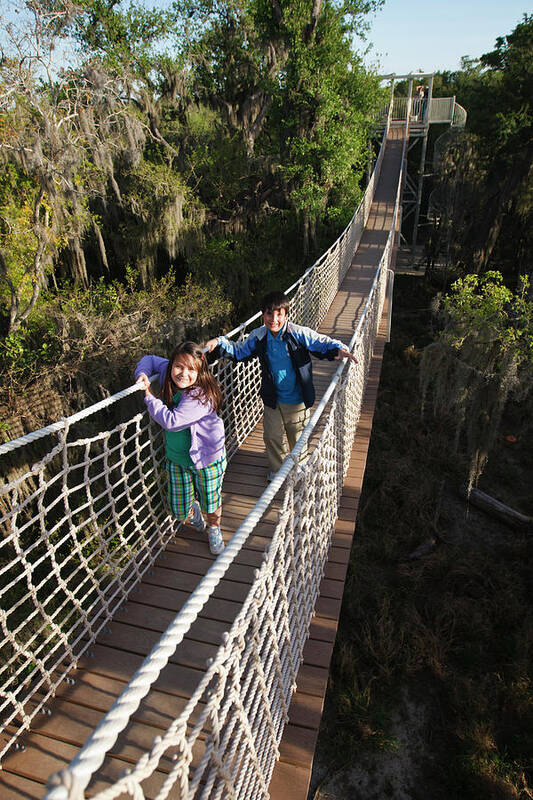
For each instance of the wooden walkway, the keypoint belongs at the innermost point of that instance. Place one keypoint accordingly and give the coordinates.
(78, 707)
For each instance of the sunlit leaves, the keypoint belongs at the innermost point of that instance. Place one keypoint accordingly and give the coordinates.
(483, 353)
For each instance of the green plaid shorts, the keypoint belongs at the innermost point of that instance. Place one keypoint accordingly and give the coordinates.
(186, 484)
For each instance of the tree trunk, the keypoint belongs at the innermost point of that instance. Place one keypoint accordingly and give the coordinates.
(497, 509)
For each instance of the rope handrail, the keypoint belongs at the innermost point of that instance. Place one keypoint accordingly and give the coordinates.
(102, 521)
(56, 427)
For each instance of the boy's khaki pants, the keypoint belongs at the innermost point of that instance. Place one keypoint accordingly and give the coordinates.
(284, 420)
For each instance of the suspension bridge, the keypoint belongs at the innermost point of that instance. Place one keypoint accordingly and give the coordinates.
(134, 663)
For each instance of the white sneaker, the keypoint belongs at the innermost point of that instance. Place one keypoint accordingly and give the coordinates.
(216, 542)
(196, 519)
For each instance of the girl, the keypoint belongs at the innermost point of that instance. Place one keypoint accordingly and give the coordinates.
(194, 435)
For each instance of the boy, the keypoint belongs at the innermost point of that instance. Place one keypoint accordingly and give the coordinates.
(287, 388)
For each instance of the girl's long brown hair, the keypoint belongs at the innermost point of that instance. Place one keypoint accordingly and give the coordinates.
(206, 387)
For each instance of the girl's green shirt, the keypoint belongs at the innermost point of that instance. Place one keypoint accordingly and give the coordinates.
(178, 443)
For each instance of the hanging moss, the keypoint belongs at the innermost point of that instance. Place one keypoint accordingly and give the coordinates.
(483, 353)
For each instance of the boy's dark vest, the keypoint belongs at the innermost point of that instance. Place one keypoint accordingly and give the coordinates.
(301, 362)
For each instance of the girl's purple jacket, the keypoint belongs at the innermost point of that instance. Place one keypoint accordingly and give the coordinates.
(207, 429)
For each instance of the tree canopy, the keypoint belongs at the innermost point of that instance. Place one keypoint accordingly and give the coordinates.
(175, 133)
(483, 355)
(485, 179)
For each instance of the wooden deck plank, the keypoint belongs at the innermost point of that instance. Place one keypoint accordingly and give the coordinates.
(99, 692)
(317, 652)
(289, 781)
(15, 787)
(50, 755)
(306, 710)
(132, 639)
(203, 629)
(121, 665)
(158, 709)
(312, 680)
(298, 745)
(72, 724)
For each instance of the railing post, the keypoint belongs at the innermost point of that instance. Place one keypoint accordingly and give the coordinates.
(421, 170)
(389, 307)
(409, 101)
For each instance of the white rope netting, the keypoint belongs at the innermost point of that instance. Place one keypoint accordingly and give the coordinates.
(79, 530)
(82, 526)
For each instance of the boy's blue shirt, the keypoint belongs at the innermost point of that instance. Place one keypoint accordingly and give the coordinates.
(312, 340)
(283, 374)
(298, 341)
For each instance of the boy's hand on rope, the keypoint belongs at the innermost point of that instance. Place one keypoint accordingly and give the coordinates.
(143, 382)
(210, 345)
(346, 354)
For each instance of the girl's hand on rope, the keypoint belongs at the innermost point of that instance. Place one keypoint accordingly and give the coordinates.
(346, 354)
(143, 382)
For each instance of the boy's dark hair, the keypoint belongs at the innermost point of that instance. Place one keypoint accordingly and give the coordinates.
(274, 301)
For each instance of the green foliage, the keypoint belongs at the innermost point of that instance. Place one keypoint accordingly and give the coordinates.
(362, 724)
(223, 141)
(27, 351)
(285, 79)
(159, 216)
(60, 138)
(264, 257)
(95, 336)
(483, 352)
(486, 201)
(482, 312)
(124, 38)
(102, 298)
(162, 299)
(18, 242)
(218, 165)
(202, 302)
(433, 647)
(324, 115)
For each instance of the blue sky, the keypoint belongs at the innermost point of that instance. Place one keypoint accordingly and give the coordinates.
(417, 35)
(413, 35)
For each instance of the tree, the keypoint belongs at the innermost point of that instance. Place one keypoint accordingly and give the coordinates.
(491, 166)
(208, 119)
(482, 355)
(61, 132)
(283, 75)
(324, 112)
(237, 63)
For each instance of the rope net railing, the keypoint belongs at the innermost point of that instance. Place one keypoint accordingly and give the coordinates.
(82, 525)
